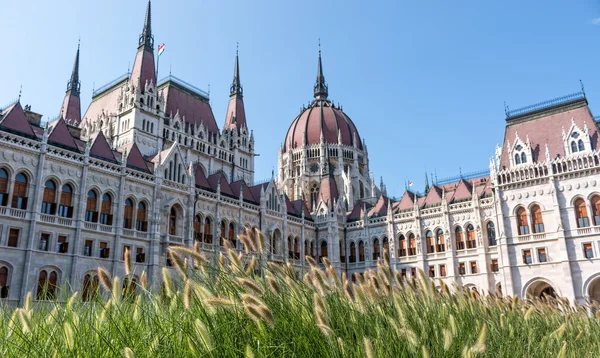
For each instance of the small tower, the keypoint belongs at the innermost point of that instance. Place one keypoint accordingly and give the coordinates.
(71, 107)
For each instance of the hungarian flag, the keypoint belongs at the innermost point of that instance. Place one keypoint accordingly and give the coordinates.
(161, 49)
(410, 183)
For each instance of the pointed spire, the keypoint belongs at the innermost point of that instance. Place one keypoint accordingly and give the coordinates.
(236, 86)
(74, 85)
(146, 38)
(426, 183)
(320, 86)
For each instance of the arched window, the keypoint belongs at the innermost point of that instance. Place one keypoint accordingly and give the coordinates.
(596, 209)
(323, 252)
(91, 209)
(580, 145)
(471, 242)
(173, 221)
(523, 158)
(522, 222)
(306, 249)
(3, 282)
(129, 287)
(207, 234)
(19, 199)
(106, 210)
(581, 212)
(430, 242)
(401, 246)
(296, 249)
(538, 222)
(222, 233)
(412, 245)
(386, 246)
(3, 187)
(231, 235)
(440, 243)
(312, 249)
(46, 287)
(573, 147)
(460, 240)
(314, 196)
(361, 251)
(197, 227)
(376, 250)
(274, 242)
(352, 252)
(65, 209)
(491, 234)
(517, 159)
(290, 241)
(128, 214)
(49, 198)
(90, 287)
(141, 224)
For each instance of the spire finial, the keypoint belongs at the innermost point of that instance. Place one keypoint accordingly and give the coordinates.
(74, 85)
(20, 91)
(321, 90)
(146, 38)
(236, 85)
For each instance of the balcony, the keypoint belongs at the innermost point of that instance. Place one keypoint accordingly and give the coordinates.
(52, 219)
(108, 229)
(175, 239)
(12, 212)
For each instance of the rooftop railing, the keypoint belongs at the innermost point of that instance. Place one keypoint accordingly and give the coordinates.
(466, 176)
(111, 84)
(184, 84)
(510, 114)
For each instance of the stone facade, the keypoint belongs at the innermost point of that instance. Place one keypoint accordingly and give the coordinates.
(147, 167)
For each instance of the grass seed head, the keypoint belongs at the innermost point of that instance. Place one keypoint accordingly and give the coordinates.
(250, 285)
(128, 353)
(203, 335)
(105, 279)
(369, 351)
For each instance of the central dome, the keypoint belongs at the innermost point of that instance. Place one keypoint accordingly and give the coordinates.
(322, 117)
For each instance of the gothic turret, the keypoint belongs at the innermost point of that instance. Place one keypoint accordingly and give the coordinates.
(71, 107)
(236, 115)
(143, 67)
(321, 92)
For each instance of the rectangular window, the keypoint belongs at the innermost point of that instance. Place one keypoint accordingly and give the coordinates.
(104, 250)
(461, 268)
(542, 257)
(413, 272)
(527, 257)
(62, 245)
(583, 222)
(87, 249)
(588, 251)
(494, 266)
(403, 273)
(126, 251)
(140, 256)
(524, 230)
(44, 242)
(13, 237)
(443, 270)
(431, 271)
(473, 267)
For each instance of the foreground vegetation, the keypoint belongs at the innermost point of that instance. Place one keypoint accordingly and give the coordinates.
(224, 309)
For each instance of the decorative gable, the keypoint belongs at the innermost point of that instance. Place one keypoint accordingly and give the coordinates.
(174, 165)
(520, 152)
(101, 149)
(135, 159)
(14, 120)
(576, 140)
(61, 136)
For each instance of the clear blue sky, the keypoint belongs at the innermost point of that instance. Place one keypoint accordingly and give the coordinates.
(424, 81)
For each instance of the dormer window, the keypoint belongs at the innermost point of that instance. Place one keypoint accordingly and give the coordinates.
(523, 158)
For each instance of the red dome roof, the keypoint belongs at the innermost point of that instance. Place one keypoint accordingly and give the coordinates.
(321, 116)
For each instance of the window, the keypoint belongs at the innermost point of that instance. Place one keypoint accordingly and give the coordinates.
(538, 222)
(523, 158)
(91, 283)
(44, 242)
(49, 198)
(91, 211)
(87, 248)
(460, 240)
(140, 256)
(104, 250)
(376, 249)
(13, 237)
(412, 245)
(323, 253)
(126, 251)
(413, 272)
(173, 221)
(542, 257)
(471, 243)
(223, 233)
(440, 243)
(431, 271)
(386, 246)
(3, 282)
(19, 199)
(430, 242)
(403, 273)
(581, 212)
(65, 209)
(62, 244)
(527, 257)
(494, 265)
(106, 210)
(491, 233)
(3, 187)
(231, 235)
(443, 270)
(473, 267)
(141, 223)
(207, 234)
(461, 268)
(401, 246)
(517, 159)
(580, 145)
(290, 247)
(361, 251)
(46, 287)
(522, 221)
(588, 251)
(573, 147)
(352, 252)
(297, 249)
(596, 209)
(128, 214)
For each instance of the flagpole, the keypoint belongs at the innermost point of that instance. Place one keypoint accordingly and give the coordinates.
(157, 63)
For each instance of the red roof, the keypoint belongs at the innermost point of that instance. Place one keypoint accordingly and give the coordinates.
(380, 207)
(255, 190)
(201, 180)
(235, 189)
(321, 116)
(101, 148)
(194, 109)
(135, 159)
(13, 119)
(71, 108)
(214, 179)
(143, 68)
(546, 128)
(236, 115)
(107, 102)
(434, 196)
(61, 136)
(299, 206)
(462, 191)
(328, 190)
